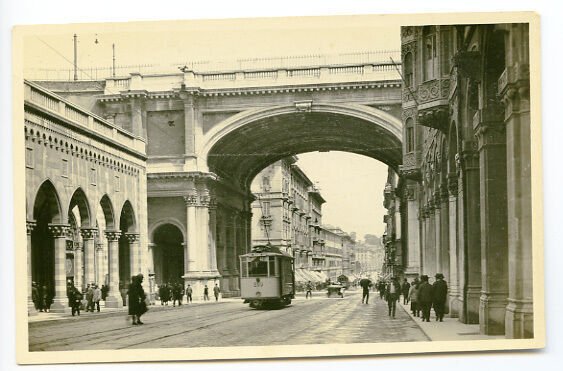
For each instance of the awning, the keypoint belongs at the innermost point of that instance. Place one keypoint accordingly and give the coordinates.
(300, 277)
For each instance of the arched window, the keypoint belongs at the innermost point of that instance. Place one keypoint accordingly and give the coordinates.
(410, 135)
(430, 53)
(409, 76)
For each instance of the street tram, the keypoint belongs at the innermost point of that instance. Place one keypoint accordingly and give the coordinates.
(266, 277)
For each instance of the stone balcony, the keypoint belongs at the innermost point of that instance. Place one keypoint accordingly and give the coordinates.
(410, 168)
(433, 103)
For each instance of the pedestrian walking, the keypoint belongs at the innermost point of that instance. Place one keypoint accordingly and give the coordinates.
(439, 296)
(425, 297)
(105, 290)
(96, 297)
(365, 283)
(123, 291)
(308, 290)
(189, 292)
(381, 288)
(413, 298)
(75, 300)
(216, 291)
(405, 291)
(44, 299)
(137, 299)
(177, 293)
(392, 295)
(90, 298)
(205, 293)
(35, 295)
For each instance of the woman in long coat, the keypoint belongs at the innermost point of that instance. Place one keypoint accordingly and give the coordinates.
(137, 304)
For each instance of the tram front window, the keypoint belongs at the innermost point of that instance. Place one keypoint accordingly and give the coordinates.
(258, 267)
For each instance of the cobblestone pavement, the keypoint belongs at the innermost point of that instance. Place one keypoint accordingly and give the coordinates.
(316, 321)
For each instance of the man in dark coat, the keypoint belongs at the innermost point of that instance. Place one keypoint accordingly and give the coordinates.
(405, 289)
(439, 296)
(392, 295)
(365, 283)
(425, 297)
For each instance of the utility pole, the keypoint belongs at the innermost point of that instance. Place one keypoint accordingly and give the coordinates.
(113, 70)
(75, 57)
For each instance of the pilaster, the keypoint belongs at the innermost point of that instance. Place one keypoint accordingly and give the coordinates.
(494, 239)
(31, 311)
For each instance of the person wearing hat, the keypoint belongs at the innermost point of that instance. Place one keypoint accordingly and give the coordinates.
(439, 296)
(425, 297)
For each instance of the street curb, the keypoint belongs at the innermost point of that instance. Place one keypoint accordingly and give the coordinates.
(414, 319)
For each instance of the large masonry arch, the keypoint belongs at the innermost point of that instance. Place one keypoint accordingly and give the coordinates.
(244, 144)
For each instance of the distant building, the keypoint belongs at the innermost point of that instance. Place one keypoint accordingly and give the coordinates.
(287, 212)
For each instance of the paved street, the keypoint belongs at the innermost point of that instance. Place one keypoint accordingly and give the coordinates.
(316, 321)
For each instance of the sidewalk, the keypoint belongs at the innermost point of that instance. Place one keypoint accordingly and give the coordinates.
(104, 312)
(450, 329)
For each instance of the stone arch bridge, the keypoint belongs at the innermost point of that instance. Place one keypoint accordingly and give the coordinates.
(195, 141)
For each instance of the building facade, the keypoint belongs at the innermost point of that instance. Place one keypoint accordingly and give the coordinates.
(86, 199)
(287, 212)
(465, 178)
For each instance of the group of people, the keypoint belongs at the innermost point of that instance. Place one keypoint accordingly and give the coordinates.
(88, 300)
(423, 297)
(175, 292)
(42, 297)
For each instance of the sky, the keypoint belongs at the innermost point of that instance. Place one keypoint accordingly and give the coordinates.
(351, 184)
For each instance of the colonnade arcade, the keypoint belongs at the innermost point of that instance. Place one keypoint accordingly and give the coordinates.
(83, 246)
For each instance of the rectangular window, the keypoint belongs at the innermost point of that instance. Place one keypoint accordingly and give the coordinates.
(29, 162)
(93, 176)
(266, 208)
(64, 168)
(410, 139)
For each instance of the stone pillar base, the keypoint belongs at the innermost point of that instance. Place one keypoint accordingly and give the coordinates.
(59, 305)
(492, 313)
(114, 302)
(455, 305)
(31, 311)
(198, 280)
(472, 304)
(411, 273)
(519, 319)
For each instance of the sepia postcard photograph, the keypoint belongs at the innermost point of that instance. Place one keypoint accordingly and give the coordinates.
(278, 187)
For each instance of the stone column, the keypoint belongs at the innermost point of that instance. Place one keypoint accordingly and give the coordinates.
(99, 264)
(89, 251)
(453, 246)
(134, 253)
(515, 91)
(423, 217)
(444, 232)
(191, 238)
(60, 233)
(437, 205)
(494, 238)
(113, 299)
(199, 270)
(430, 247)
(30, 305)
(190, 123)
(213, 234)
(78, 265)
(472, 237)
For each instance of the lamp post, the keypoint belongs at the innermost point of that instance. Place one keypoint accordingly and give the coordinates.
(75, 57)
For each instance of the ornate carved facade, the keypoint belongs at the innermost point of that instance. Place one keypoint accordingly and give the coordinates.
(466, 169)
